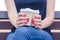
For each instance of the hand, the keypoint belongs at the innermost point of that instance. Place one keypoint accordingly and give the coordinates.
(36, 21)
(22, 19)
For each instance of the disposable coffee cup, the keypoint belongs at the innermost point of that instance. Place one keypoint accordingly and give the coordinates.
(28, 11)
(35, 12)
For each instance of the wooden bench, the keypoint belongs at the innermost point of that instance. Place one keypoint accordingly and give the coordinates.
(6, 26)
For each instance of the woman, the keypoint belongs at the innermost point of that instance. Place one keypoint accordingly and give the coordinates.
(41, 29)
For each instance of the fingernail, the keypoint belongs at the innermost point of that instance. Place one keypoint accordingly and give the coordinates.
(32, 21)
(27, 19)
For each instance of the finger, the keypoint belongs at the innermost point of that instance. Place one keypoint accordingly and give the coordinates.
(37, 17)
(37, 26)
(22, 14)
(37, 20)
(40, 27)
(38, 23)
(22, 18)
(21, 24)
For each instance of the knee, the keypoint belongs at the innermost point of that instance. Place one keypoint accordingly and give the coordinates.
(48, 36)
(21, 30)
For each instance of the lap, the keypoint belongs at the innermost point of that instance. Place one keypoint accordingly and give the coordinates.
(31, 32)
(38, 33)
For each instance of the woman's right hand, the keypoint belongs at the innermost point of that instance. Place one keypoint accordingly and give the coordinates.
(22, 19)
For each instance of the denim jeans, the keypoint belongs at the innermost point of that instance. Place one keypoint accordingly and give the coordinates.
(29, 33)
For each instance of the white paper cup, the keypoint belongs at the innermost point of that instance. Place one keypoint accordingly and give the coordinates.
(30, 14)
(28, 11)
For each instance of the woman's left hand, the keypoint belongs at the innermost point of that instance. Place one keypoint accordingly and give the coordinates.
(37, 22)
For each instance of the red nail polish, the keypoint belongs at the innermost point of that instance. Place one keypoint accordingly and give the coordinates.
(27, 19)
(32, 21)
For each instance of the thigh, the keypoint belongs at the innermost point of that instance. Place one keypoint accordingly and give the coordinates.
(10, 36)
(45, 35)
(30, 34)
(37, 34)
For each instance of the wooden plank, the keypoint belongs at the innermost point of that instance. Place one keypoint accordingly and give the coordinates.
(55, 31)
(9, 30)
(57, 14)
(5, 30)
(3, 36)
(5, 20)
(7, 25)
(56, 36)
(3, 14)
(57, 20)
(55, 25)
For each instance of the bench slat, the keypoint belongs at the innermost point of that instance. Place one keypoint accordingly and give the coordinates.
(8, 25)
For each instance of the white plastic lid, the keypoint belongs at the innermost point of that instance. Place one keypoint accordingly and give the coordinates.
(26, 10)
(29, 10)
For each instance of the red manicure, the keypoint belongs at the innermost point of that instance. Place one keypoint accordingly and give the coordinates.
(27, 19)
(37, 17)
(32, 21)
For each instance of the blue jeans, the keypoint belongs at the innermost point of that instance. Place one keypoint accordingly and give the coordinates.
(29, 33)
